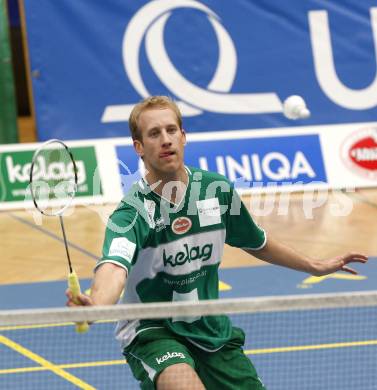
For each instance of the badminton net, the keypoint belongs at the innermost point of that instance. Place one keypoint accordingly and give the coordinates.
(326, 341)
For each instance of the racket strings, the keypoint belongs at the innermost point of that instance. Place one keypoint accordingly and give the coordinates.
(53, 178)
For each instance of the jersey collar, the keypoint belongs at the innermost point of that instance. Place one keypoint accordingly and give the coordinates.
(143, 184)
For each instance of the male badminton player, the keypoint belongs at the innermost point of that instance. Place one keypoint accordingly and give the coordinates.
(166, 238)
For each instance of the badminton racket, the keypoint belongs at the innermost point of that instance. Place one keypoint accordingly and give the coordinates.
(53, 185)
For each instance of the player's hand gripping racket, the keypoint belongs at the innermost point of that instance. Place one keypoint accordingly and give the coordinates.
(53, 185)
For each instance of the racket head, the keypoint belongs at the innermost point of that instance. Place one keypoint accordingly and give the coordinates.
(53, 178)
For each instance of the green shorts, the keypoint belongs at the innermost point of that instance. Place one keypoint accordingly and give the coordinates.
(227, 369)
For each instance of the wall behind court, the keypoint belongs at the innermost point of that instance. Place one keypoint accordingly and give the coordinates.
(8, 116)
(230, 65)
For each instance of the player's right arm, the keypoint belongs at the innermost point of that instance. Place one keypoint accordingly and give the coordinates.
(107, 286)
(124, 227)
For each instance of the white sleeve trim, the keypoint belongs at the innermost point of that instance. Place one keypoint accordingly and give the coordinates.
(119, 264)
(261, 246)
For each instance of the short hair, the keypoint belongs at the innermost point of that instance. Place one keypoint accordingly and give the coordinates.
(150, 103)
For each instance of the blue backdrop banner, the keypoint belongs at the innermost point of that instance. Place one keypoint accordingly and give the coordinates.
(248, 162)
(229, 64)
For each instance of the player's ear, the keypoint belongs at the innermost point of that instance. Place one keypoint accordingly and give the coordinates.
(138, 145)
(184, 136)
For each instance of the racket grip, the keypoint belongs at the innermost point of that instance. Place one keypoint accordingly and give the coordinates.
(74, 287)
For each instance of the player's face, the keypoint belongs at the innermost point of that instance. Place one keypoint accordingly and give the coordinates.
(162, 141)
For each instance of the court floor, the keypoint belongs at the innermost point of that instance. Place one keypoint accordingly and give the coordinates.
(326, 224)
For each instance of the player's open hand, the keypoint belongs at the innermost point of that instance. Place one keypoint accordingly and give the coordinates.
(340, 263)
(79, 300)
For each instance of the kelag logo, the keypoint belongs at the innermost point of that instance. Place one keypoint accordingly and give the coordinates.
(15, 172)
(278, 160)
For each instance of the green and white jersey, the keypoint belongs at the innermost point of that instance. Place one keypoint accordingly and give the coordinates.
(173, 252)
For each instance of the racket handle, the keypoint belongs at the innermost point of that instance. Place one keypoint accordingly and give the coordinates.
(74, 286)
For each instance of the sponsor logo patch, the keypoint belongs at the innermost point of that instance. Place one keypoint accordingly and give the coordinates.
(359, 152)
(160, 224)
(181, 225)
(121, 247)
(209, 212)
(150, 208)
(170, 355)
(188, 254)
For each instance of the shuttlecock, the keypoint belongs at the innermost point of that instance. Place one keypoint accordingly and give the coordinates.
(294, 107)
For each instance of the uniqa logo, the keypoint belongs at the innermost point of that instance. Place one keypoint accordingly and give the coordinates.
(359, 152)
(53, 171)
(273, 165)
(148, 25)
(188, 255)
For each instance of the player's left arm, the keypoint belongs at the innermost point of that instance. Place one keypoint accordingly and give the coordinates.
(275, 252)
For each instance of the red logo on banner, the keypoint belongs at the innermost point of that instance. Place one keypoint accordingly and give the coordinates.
(364, 153)
(181, 225)
(359, 152)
